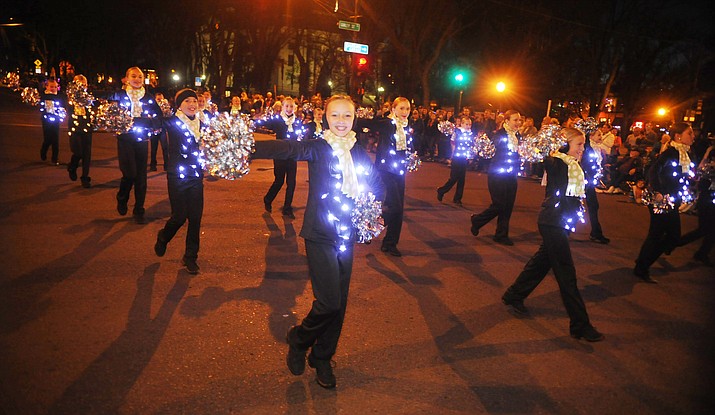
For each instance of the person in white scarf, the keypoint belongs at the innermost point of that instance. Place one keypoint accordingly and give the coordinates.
(339, 170)
(565, 188)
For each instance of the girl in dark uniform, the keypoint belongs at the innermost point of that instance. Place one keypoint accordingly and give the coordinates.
(561, 209)
(462, 142)
(184, 177)
(668, 182)
(80, 133)
(338, 170)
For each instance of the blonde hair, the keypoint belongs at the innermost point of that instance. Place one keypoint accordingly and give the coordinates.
(400, 99)
(80, 78)
(134, 68)
(339, 97)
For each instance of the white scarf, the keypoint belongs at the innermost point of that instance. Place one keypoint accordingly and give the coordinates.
(683, 157)
(341, 149)
(511, 136)
(193, 125)
(576, 183)
(135, 95)
(400, 137)
(289, 120)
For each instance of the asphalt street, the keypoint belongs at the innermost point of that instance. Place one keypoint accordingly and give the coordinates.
(92, 322)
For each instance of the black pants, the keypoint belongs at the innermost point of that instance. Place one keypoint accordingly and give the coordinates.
(393, 206)
(663, 235)
(187, 202)
(554, 253)
(502, 190)
(330, 272)
(284, 171)
(132, 163)
(457, 174)
(706, 226)
(592, 204)
(155, 141)
(50, 138)
(81, 147)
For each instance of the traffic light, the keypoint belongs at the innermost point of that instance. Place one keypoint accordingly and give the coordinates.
(361, 64)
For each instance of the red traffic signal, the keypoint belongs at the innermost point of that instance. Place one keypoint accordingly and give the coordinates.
(361, 62)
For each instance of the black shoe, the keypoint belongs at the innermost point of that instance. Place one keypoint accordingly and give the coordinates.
(86, 182)
(644, 275)
(503, 241)
(600, 239)
(122, 208)
(589, 334)
(457, 202)
(73, 173)
(392, 250)
(152, 168)
(516, 305)
(296, 357)
(323, 371)
(474, 229)
(191, 266)
(159, 246)
(43, 156)
(139, 219)
(267, 205)
(440, 195)
(288, 212)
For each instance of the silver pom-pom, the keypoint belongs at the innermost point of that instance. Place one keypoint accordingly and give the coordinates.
(446, 128)
(535, 147)
(367, 113)
(307, 107)
(30, 96)
(227, 144)
(165, 107)
(659, 202)
(12, 80)
(78, 95)
(113, 118)
(587, 125)
(413, 161)
(483, 147)
(367, 217)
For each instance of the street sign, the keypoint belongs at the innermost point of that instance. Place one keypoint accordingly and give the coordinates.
(38, 62)
(355, 48)
(197, 81)
(345, 25)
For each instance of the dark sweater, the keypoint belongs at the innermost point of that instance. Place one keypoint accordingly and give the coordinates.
(558, 209)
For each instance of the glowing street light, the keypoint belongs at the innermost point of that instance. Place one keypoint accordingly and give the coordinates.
(662, 111)
(176, 77)
(501, 86)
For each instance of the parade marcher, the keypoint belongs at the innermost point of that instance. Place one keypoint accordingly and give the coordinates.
(314, 129)
(184, 176)
(668, 181)
(289, 127)
(462, 143)
(51, 105)
(705, 209)
(132, 145)
(338, 170)
(80, 136)
(158, 139)
(592, 167)
(395, 140)
(501, 180)
(561, 209)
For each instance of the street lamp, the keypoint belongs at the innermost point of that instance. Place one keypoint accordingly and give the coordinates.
(662, 111)
(501, 87)
(459, 78)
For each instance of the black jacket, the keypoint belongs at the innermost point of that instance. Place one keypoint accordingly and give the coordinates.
(558, 209)
(666, 176)
(276, 124)
(505, 161)
(328, 209)
(145, 126)
(50, 114)
(387, 157)
(184, 163)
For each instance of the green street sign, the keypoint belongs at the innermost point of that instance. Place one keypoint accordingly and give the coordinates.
(345, 25)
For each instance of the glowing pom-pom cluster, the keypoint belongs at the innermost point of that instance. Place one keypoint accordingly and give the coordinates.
(587, 125)
(660, 203)
(78, 95)
(113, 118)
(165, 107)
(484, 147)
(367, 217)
(30, 96)
(534, 148)
(446, 128)
(366, 113)
(227, 144)
(413, 161)
(12, 80)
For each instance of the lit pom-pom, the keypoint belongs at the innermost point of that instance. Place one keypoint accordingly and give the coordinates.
(60, 112)
(483, 147)
(165, 107)
(30, 96)
(529, 151)
(227, 144)
(413, 161)
(659, 202)
(446, 128)
(113, 118)
(12, 80)
(78, 95)
(307, 108)
(366, 113)
(587, 126)
(367, 217)
(534, 148)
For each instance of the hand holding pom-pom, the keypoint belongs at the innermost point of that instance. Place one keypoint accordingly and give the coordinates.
(113, 118)
(367, 217)
(446, 128)
(30, 96)
(227, 144)
(165, 107)
(587, 125)
(413, 161)
(484, 147)
(78, 95)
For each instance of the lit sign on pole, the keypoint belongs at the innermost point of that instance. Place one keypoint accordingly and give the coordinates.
(344, 25)
(355, 48)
